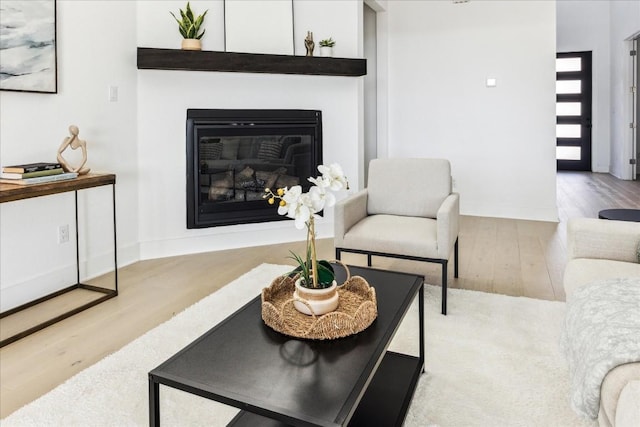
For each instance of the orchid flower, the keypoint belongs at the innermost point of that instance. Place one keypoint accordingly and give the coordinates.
(333, 177)
(302, 206)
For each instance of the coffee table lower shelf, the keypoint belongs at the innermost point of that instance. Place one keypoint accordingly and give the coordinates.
(385, 403)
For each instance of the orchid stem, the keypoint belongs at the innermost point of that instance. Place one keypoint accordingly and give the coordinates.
(312, 244)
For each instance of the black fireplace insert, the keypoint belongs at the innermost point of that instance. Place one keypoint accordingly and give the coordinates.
(233, 155)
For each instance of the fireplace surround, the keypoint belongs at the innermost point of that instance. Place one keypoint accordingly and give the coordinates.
(233, 155)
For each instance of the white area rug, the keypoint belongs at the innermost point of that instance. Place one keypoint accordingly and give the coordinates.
(492, 361)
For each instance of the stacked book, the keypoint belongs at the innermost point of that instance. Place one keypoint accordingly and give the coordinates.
(34, 173)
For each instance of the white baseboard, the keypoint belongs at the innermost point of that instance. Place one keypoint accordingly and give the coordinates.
(238, 237)
(64, 276)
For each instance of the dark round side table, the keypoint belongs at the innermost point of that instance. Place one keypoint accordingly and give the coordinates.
(620, 214)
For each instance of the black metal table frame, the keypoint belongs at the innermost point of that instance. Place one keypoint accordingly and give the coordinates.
(108, 293)
(388, 356)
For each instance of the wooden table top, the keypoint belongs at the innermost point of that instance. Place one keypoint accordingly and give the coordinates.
(12, 192)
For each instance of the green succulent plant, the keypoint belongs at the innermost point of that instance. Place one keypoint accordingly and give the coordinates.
(189, 26)
(327, 42)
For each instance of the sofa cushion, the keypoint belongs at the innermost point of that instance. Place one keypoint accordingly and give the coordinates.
(210, 148)
(581, 271)
(269, 150)
(230, 149)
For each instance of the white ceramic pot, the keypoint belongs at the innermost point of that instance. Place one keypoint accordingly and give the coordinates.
(191, 44)
(322, 301)
(326, 51)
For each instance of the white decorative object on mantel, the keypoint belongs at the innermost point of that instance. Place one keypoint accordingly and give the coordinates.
(326, 51)
(326, 47)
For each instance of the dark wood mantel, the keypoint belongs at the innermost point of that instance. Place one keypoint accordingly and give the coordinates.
(186, 60)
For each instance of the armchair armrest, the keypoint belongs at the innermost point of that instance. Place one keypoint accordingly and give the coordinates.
(447, 220)
(347, 213)
(602, 239)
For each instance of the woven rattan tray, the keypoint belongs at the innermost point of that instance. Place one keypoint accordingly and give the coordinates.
(357, 309)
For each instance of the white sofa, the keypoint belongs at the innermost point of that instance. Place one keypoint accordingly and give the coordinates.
(599, 250)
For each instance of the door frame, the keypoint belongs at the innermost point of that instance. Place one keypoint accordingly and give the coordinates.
(585, 122)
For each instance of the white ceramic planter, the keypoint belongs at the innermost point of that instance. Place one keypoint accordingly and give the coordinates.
(322, 301)
(326, 51)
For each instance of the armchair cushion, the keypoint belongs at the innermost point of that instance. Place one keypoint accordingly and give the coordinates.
(408, 187)
(394, 235)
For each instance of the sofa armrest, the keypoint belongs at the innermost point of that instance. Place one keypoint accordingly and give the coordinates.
(347, 213)
(603, 239)
(448, 224)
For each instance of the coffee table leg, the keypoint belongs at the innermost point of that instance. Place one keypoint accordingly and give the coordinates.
(421, 326)
(154, 403)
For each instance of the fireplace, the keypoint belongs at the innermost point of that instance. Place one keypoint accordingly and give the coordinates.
(233, 155)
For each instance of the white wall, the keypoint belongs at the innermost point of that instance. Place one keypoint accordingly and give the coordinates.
(433, 61)
(96, 49)
(500, 141)
(625, 23)
(583, 25)
(164, 97)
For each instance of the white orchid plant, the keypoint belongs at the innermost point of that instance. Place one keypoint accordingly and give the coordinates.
(302, 207)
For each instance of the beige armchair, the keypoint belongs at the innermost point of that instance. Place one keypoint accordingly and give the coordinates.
(407, 211)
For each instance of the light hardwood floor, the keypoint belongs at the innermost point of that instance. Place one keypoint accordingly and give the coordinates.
(507, 256)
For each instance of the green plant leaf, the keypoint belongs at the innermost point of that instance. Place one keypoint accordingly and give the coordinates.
(189, 13)
(199, 20)
(185, 19)
(191, 32)
(326, 275)
(174, 17)
(201, 34)
(301, 269)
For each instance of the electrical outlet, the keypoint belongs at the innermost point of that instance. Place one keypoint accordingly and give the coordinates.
(63, 234)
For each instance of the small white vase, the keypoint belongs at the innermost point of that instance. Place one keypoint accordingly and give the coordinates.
(326, 51)
(322, 301)
(191, 44)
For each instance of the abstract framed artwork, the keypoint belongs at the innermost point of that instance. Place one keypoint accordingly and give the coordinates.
(28, 60)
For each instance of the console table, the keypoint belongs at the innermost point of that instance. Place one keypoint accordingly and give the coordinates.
(12, 193)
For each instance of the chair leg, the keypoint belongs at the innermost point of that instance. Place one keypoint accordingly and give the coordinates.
(455, 260)
(338, 251)
(444, 288)
(368, 260)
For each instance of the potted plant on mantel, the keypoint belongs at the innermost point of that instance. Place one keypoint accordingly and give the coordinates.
(189, 27)
(316, 287)
(326, 47)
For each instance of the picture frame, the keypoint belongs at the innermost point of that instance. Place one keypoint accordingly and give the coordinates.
(28, 46)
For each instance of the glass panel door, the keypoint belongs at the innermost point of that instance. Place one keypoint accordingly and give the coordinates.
(573, 111)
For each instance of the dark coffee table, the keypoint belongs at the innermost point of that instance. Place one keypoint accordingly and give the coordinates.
(620, 214)
(278, 381)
